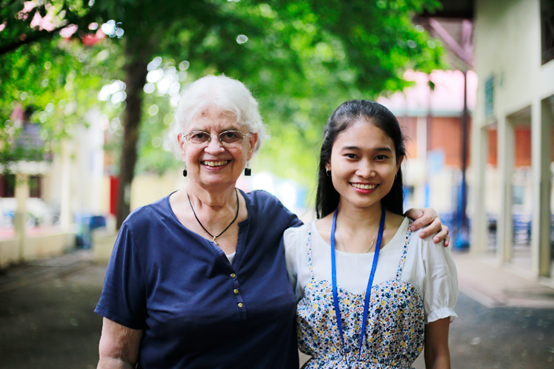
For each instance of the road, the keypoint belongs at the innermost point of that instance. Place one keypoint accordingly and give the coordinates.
(49, 323)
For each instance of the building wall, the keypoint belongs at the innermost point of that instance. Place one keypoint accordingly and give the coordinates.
(516, 92)
(522, 153)
(147, 188)
(508, 48)
(445, 134)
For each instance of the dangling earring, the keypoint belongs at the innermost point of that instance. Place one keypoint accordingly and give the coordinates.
(185, 171)
(328, 172)
(247, 170)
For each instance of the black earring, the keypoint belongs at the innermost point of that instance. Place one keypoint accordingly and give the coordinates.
(247, 171)
(185, 171)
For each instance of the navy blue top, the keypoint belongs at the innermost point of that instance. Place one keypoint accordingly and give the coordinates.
(196, 309)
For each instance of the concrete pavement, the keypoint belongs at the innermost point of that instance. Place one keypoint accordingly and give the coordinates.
(47, 319)
(494, 286)
(46, 314)
(481, 279)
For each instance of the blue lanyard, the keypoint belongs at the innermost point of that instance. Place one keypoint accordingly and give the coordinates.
(369, 283)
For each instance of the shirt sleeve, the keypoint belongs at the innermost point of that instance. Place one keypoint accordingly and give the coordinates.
(440, 282)
(290, 239)
(123, 296)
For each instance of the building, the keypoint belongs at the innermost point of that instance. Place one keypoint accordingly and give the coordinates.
(514, 61)
(431, 122)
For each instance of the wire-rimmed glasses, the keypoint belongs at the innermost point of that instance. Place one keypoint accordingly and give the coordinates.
(226, 138)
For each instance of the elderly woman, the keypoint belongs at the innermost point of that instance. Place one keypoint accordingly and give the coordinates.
(198, 279)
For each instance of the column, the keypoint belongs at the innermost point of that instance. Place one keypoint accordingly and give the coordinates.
(504, 231)
(20, 216)
(479, 221)
(541, 156)
(65, 202)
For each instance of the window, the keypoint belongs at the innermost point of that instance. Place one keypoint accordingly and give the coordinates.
(489, 96)
(7, 185)
(35, 186)
(518, 195)
(547, 30)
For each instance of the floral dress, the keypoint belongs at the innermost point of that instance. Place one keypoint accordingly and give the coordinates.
(395, 327)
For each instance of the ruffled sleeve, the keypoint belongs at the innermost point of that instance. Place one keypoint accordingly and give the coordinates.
(439, 284)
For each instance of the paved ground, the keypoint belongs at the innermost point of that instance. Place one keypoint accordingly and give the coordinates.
(47, 319)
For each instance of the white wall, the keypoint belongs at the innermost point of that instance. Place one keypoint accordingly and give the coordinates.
(508, 47)
(86, 170)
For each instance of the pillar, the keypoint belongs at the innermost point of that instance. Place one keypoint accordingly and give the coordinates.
(479, 221)
(20, 216)
(541, 156)
(65, 201)
(504, 232)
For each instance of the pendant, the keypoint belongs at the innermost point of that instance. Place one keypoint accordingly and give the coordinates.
(215, 241)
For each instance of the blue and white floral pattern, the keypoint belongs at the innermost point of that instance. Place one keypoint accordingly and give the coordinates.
(395, 325)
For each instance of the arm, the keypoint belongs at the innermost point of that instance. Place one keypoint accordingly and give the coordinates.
(428, 217)
(290, 245)
(119, 346)
(437, 354)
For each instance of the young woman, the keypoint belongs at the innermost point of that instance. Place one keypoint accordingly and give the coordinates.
(370, 292)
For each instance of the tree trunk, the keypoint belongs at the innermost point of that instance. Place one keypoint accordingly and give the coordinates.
(137, 57)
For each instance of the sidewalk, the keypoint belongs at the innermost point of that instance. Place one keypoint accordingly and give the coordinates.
(495, 286)
(47, 318)
(481, 279)
(36, 271)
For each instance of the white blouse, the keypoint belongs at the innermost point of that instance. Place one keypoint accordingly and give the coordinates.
(429, 267)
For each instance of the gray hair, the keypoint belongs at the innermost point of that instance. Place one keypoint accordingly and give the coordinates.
(228, 94)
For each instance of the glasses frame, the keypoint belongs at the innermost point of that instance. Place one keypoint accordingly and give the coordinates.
(187, 137)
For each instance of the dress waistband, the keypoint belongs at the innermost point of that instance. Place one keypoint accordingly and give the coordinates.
(341, 363)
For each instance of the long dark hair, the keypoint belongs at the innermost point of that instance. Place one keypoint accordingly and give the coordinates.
(327, 198)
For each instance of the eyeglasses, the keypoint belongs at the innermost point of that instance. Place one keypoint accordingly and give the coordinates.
(226, 138)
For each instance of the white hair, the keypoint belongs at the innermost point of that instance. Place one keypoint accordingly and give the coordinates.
(228, 94)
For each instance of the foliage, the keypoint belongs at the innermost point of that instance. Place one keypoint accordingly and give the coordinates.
(25, 22)
(301, 59)
(55, 78)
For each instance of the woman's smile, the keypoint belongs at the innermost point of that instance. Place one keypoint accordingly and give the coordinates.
(214, 164)
(364, 187)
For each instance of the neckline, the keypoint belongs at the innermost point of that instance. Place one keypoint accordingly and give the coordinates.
(399, 233)
(241, 240)
(241, 223)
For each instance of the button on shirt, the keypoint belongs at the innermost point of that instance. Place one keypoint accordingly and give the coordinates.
(197, 310)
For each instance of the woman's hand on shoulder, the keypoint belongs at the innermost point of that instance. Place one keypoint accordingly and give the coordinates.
(428, 218)
(119, 346)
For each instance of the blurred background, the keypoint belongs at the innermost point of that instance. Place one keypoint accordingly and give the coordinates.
(88, 89)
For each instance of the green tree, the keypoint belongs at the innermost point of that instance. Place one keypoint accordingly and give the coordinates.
(42, 71)
(301, 59)
(54, 78)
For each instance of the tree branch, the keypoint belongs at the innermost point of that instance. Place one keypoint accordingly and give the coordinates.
(4, 49)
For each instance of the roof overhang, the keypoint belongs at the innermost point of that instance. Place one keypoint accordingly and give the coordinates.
(461, 9)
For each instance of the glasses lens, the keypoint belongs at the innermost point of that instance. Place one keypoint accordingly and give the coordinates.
(198, 137)
(230, 137)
